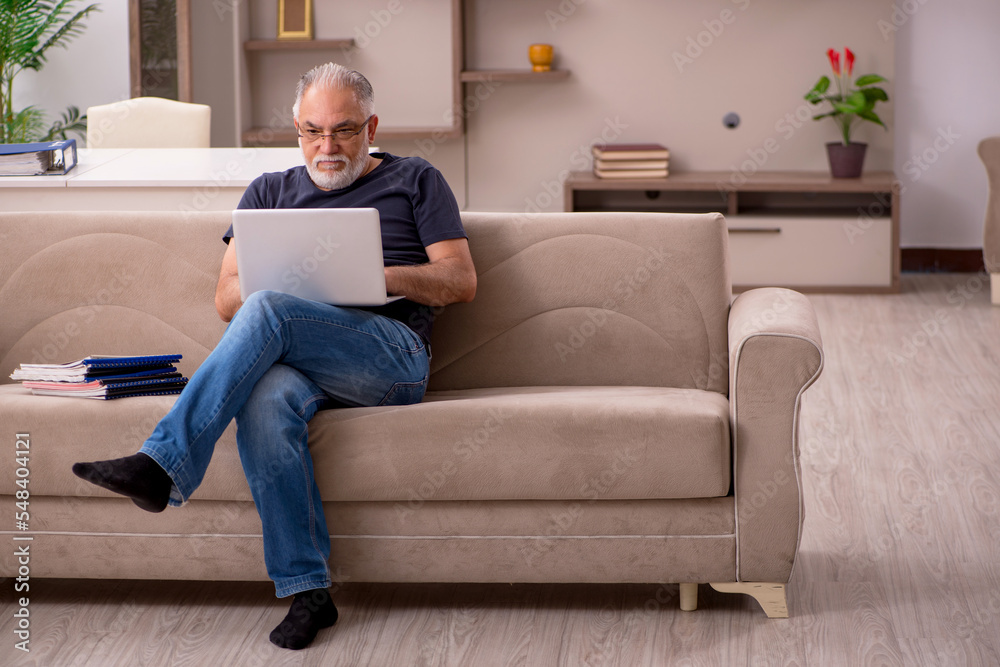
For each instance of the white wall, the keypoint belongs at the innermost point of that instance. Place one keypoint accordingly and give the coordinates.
(943, 58)
(665, 72)
(213, 72)
(948, 96)
(92, 70)
(404, 48)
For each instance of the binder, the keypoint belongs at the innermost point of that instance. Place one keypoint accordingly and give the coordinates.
(48, 158)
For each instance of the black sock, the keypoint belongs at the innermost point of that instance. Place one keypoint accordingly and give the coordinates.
(138, 476)
(311, 611)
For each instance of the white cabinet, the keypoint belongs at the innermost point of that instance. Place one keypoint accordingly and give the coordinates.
(803, 230)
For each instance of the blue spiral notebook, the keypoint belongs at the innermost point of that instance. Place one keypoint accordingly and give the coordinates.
(169, 383)
(97, 366)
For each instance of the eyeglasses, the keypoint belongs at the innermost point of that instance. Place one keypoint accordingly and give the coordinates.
(340, 136)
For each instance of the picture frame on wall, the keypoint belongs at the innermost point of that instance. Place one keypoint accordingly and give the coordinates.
(295, 19)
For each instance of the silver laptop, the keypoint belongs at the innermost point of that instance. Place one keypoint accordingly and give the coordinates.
(330, 255)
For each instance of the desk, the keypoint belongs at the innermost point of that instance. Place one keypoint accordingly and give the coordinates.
(147, 179)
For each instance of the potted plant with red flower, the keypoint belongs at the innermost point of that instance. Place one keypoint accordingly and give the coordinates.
(853, 101)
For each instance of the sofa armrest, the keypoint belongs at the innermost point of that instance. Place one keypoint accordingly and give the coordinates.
(775, 353)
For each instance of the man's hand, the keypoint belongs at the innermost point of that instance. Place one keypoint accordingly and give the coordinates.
(227, 292)
(448, 277)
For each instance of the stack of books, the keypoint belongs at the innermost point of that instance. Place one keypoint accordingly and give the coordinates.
(104, 377)
(630, 160)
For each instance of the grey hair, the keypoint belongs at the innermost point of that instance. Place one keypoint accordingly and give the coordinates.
(333, 76)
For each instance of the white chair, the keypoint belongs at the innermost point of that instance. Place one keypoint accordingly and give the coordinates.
(989, 152)
(149, 122)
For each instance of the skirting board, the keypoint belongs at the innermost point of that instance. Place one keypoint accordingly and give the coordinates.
(942, 260)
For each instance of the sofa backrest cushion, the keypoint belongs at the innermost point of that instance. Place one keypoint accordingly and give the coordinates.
(590, 299)
(563, 299)
(80, 283)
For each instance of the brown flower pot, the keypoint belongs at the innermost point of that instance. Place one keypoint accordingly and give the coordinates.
(846, 161)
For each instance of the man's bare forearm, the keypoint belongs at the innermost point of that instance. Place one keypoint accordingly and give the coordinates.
(227, 298)
(227, 290)
(438, 284)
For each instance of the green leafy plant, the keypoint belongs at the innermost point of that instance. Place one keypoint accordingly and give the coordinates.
(853, 100)
(28, 29)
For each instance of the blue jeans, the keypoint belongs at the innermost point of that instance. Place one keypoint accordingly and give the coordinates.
(280, 361)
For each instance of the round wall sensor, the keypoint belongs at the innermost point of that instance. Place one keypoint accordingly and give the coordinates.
(731, 120)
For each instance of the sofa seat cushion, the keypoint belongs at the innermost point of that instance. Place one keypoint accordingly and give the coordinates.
(528, 443)
(513, 443)
(66, 430)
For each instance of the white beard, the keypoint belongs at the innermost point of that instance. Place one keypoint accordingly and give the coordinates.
(341, 178)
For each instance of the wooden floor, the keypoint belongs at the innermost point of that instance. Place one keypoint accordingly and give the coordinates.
(899, 563)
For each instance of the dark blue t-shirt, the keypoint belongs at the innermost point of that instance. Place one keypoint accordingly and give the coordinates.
(416, 208)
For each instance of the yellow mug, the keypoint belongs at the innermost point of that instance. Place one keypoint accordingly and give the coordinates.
(540, 56)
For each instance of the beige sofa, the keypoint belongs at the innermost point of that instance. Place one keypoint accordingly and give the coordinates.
(600, 412)
(989, 153)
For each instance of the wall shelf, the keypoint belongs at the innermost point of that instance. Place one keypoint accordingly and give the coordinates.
(256, 70)
(512, 75)
(258, 107)
(264, 136)
(297, 44)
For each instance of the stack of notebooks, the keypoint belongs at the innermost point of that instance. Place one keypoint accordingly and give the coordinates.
(630, 160)
(104, 377)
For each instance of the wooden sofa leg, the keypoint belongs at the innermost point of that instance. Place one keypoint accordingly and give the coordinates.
(995, 289)
(689, 597)
(770, 596)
